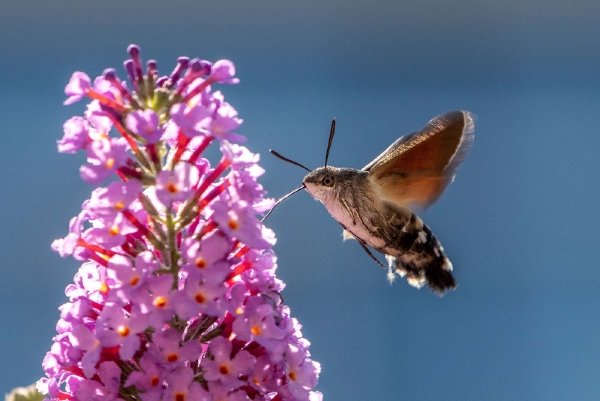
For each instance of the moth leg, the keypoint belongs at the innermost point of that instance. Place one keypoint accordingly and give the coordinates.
(354, 213)
(351, 211)
(364, 246)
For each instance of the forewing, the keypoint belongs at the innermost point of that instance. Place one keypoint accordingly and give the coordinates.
(416, 169)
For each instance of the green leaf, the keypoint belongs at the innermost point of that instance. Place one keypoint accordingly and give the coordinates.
(24, 394)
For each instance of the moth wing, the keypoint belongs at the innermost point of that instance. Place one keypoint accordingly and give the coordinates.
(416, 169)
(389, 149)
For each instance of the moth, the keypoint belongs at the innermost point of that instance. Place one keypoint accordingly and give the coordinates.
(374, 204)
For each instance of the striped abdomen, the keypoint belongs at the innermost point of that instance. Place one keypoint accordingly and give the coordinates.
(410, 246)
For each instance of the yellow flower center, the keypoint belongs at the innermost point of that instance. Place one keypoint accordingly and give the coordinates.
(123, 331)
(192, 103)
(233, 224)
(200, 298)
(172, 188)
(160, 302)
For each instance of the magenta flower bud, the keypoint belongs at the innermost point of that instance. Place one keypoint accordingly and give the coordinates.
(130, 69)
(134, 52)
(182, 65)
(151, 68)
(205, 67)
(197, 69)
(160, 82)
(110, 74)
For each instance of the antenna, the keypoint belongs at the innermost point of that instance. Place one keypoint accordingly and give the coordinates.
(285, 159)
(331, 133)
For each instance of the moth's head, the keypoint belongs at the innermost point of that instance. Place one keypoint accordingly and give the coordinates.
(321, 182)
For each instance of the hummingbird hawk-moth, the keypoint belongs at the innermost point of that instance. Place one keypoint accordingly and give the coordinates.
(373, 204)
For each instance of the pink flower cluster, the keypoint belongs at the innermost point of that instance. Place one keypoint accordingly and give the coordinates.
(177, 297)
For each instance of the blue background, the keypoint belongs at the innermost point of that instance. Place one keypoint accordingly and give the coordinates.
(520, 223)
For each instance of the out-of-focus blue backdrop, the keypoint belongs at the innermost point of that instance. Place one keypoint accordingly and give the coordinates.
(520, 223)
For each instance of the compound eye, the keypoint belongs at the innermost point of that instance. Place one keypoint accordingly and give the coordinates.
(327, 181)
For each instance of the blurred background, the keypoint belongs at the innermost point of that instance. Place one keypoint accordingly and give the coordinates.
(520, 223)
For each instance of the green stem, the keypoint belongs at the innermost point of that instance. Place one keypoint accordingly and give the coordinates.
(172, 243)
